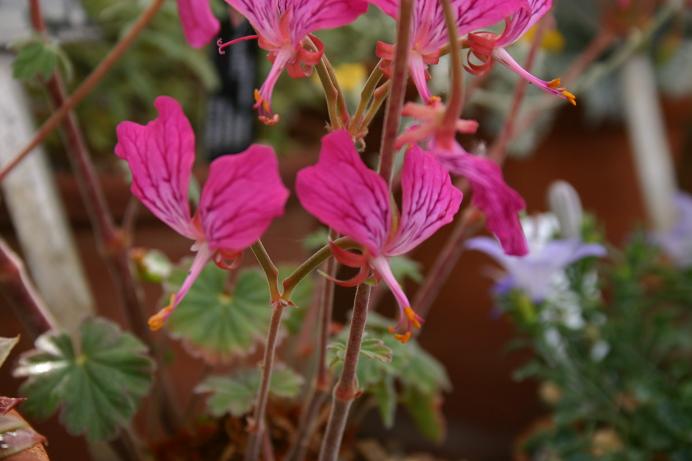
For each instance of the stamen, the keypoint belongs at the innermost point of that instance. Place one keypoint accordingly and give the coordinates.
(413, 317)
(157, 320)
(403, 338)
(568, 95)
(221, 45)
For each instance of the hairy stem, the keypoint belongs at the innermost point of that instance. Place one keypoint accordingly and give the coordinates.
(346, 388)
(397, 93)
(269, 268)
(312, 263)
(112, 242)
(320, 388)
(258, 422)
(86, 87)
(456, 98)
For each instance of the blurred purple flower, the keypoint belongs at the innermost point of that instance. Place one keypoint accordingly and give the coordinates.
(677, 242)
(536, 272)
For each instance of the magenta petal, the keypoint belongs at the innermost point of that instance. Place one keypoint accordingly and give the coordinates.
(312, 15)
(200, 25)
(429, 201)
(500, 203)
(390, 7)
(241, 197)
(345, 194)
(476, 14)
(523, 20)
(160, 156)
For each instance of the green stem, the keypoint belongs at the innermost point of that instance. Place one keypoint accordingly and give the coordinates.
(269, 268)
(312, 263)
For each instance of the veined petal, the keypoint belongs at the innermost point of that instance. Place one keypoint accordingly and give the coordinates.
(200, 25)
(202, 257)
(263, 15)
(390, 7)
(419, 75)
(241, 197)
(312, 15)
(552, 87)
(476, 14)
(408, 319)
(429, 201)
(160, 156)
(499, 202)
(345, 194)
(523, 19)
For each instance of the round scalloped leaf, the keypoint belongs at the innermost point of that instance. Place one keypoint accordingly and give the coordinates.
(96, 380)
(236, 394)
(218, 325)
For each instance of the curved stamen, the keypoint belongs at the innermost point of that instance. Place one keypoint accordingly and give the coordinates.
(221, 45)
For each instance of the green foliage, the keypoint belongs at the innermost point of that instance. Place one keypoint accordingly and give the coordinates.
(218, 322)
(38, 59)
(235, 394)
(404, 267)
(385, 361)
(97, 379)
(6, 346)
(622, 380)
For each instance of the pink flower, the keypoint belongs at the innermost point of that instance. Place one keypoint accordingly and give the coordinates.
(241, 197)
(486, 47)
(499, 202)
(200, 25)
(430, 34)
(355, 201)
(283, 29)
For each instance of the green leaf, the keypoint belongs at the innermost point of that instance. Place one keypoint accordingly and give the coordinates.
(316, 240)
(404, 267)
(219, 325)
(384, 393)
(301, 297)
(6, 346)
(425, 409)
(215, 324)
(97, 380)
(36, 59)
(236, 394)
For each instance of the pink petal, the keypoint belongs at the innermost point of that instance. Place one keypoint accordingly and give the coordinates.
(499, 202)
(390, 7)
(429, 201)
(241, 197)
(523, 20)
(312, 15)
(306, 16)
(419, 75)
(160, 156)
(200, 25)
(345, 194)
(476, 14)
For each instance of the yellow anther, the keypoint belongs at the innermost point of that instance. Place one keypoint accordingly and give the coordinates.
(570, 97)
(554, 83)
(403, 338)
(413, 318)
(157, 320)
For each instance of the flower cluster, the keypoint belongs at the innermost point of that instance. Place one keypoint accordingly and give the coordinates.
(244, 192)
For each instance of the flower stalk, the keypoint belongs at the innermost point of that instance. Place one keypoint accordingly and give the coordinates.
(346, 389)
(398, 90)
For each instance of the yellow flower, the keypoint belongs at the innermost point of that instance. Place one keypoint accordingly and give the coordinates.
(552, 42)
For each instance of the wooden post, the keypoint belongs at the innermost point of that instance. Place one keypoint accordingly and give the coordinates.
(37, 212)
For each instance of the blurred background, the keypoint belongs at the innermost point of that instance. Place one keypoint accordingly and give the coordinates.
(630, 66)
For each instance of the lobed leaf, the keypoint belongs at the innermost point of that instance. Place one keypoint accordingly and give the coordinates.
(96, 380)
